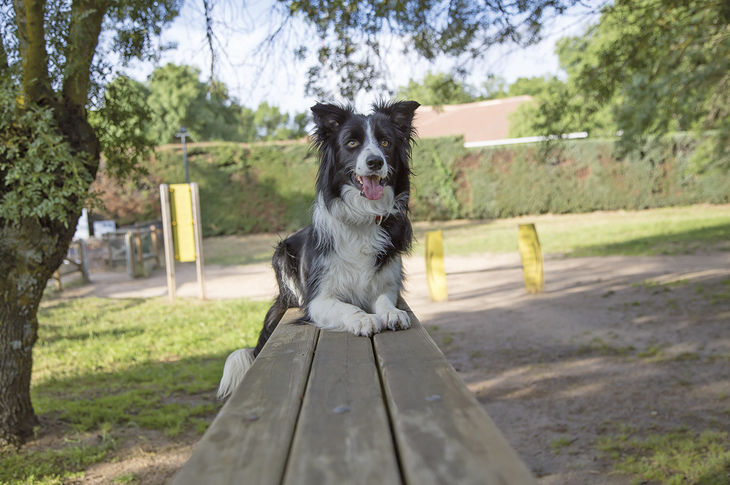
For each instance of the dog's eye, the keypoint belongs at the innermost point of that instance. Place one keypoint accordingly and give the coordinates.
(384, 143)
(353, 143)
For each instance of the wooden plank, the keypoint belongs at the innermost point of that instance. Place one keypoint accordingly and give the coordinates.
(250, 439)
(343, 434)
(442, 433)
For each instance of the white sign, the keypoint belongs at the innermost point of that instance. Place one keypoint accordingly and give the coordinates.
(103, 227)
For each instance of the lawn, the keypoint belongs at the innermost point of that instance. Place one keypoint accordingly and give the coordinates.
(679, 230)
(103, 366)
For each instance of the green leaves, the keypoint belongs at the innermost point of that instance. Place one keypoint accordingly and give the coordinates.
(174, 96)
(41, 176)
(355, 35)
(437, 89)
(647, 69)
(121, 126)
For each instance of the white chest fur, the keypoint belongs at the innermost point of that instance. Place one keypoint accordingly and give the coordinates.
(350, 273)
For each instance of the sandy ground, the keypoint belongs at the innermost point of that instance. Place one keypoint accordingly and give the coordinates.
(614, 343)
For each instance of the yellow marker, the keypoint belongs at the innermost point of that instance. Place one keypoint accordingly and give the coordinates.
(183, 235)
(531, 254)
(435, 273)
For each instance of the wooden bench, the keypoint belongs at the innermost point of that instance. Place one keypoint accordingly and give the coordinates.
(320, 407)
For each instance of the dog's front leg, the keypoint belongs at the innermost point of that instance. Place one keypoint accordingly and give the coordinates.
(390, 316)
(333, 314)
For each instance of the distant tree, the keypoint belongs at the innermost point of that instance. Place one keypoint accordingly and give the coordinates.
(437, 89)
(271, 124)
(174, 94)
(177, 97)
(648, 68)
(494, 87)
(551, 99)
(532, 86)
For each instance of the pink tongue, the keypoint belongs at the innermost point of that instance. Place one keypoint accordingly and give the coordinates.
(371, 187)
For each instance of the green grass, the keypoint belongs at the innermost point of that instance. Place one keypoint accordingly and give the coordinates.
(678, 457)
(558, 444)
(52, 466)
(678, 230)
(101, 365)
(657, 231)
(229, 250)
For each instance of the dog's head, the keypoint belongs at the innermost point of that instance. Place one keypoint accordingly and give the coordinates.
(366, 152)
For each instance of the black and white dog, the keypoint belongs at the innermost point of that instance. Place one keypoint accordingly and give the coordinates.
(345, 269)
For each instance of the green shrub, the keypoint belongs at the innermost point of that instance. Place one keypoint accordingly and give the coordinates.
(270, 187)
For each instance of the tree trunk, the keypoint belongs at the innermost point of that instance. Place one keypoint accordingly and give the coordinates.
(29, 253)
(33, 249)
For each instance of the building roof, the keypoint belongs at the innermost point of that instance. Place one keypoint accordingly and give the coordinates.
(480, 121)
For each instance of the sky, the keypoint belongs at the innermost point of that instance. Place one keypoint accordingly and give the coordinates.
(274, 77)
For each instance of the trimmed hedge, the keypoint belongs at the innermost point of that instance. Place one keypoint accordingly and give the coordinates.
(270, 188)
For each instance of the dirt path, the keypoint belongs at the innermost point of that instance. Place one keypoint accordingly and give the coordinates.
(614, 344)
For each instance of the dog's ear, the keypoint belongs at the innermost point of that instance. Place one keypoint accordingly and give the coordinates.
(328, 117)
(401, 114)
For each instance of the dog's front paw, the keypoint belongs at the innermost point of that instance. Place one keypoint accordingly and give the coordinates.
(364, 324)
(395, 319)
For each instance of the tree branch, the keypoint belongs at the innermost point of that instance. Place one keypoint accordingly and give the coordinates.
(84, 30)
(31, 36)
(208, 8)
(3, 58)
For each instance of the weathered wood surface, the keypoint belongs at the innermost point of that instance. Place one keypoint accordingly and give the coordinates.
(332, 408)
(343, 434)
(249, 440)
(442, 433)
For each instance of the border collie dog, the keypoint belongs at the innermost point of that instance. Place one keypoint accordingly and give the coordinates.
(344, 270)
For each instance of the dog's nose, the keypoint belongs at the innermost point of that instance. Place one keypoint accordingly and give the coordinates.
(375, 163)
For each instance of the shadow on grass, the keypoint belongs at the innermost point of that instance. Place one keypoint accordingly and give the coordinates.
(90, 413)
(670, 243)
(154, 395)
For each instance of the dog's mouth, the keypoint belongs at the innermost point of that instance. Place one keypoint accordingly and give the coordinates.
(371, 186)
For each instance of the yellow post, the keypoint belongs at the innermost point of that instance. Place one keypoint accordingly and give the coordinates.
(531, 254)
(435, 272)
(183, 233)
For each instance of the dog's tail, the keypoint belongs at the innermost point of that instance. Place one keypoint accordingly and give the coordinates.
(285, 268)
(237, 364)
(241, 360)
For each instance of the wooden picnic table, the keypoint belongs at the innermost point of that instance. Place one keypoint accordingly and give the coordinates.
(321, 407)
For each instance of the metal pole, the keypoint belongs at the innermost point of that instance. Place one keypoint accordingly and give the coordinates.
(198, 231)
(185, 159)
(167, 237)
(182, 134)
(129, 251)
(84, 261)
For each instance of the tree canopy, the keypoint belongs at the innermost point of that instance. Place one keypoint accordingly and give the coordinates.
(437, 89)
(174, 96)
(354, 36)
(647, 68)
